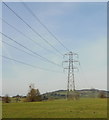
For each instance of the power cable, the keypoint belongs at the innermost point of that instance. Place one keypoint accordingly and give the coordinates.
(17, 48)
(36, 43)
(29, 64)
(33, 29)
(37, 18)
(43, 58)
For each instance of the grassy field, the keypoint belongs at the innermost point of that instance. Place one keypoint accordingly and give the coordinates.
(83, 108)
(0, 109)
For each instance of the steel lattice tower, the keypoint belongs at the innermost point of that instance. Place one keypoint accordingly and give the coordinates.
(71, 69)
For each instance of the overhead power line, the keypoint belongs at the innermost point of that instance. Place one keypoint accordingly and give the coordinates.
(18, 48)
(34, 41)
(32, 29)
(42, 58)
(37, 18)
(29, 64)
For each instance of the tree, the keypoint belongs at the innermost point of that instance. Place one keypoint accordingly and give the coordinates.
(6, 99)
(33, 94)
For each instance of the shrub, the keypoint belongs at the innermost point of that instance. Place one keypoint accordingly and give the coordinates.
(33, 95)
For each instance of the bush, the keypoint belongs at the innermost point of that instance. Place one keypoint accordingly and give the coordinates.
(33, 95)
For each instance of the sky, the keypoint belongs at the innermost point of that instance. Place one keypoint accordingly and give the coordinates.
(81, 27)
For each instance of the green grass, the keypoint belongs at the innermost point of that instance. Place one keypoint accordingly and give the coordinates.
(83, 108)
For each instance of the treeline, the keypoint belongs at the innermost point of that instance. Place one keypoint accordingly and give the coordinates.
(34, 95)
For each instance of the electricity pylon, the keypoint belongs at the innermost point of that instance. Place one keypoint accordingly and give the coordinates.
(71, 69)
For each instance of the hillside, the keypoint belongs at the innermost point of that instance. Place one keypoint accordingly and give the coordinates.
(84, 93)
